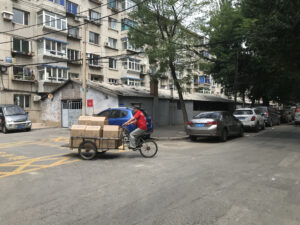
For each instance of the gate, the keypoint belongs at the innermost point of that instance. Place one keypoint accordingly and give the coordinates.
(71, 110)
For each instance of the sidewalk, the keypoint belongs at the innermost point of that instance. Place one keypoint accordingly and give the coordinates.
(38, 126)
(169, 133)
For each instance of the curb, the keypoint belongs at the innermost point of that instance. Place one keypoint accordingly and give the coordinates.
(170, 138)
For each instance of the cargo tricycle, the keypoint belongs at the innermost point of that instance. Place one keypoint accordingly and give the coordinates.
(90, 146)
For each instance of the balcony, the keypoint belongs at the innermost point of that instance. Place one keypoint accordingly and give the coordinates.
(25, 54)
(23, 74)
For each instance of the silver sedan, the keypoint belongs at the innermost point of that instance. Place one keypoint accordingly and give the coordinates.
(220, 124)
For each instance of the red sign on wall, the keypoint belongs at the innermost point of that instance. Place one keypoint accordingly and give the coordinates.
(90, 103)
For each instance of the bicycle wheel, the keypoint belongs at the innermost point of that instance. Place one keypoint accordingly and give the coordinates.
(148, 148)
(87, 150)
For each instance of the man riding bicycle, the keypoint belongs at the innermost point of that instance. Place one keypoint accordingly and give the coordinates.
(140, 120)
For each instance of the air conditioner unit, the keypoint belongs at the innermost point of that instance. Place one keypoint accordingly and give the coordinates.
(7, 15)
(77, 18)
(36, 98)
(106, 44)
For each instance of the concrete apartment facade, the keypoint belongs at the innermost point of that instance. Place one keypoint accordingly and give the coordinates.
(41, 44)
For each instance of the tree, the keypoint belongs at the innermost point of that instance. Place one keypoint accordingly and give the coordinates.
(163, 31)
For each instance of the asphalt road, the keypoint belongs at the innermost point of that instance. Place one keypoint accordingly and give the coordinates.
(251, 180)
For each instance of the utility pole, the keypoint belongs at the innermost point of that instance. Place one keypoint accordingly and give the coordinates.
(236, 78)
(83, 52)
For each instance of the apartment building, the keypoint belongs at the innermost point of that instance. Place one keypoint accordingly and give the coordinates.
(41, 44)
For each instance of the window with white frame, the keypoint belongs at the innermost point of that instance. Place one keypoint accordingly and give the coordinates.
(49, 73)
(128, 5)
(20, 16)
(112, 63)
(94, 38)
(93, 59)
(132, 64)
(96, 78)
(112, 42)
(73, 55)
(74, 75)
(52, 48)
(94, 16)
(127, 46)
(112, 23)
(52, 20)
(60, 2)
(22, 100)
(131, 82)
(20, 45)
(113, 81)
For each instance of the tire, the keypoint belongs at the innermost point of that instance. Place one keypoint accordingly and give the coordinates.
(193, 138)
(4, 129)
(256, 129)
(278, 122)
(241, 134)
(148, 149)
(87, 150)
(271, 123)
(224, 135)
(28, 129)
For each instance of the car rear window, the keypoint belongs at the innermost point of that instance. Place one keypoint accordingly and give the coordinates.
(243, 112)
(14, 110)
(208, 115)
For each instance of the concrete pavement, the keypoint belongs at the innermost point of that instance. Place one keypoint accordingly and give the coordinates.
(250, 180)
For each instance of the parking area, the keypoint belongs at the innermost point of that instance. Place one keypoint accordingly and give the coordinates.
(254, 178)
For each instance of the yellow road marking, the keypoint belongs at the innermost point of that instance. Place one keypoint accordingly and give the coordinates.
(25, 166)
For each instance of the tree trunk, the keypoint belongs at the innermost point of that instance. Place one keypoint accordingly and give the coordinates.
(179, 90)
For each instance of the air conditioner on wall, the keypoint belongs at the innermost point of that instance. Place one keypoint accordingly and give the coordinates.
(7, 15)
(36, 98)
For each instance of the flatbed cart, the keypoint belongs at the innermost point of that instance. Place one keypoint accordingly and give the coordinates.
(89, 148)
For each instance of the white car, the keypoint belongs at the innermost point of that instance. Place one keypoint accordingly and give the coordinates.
(297, 116)
(251, 118)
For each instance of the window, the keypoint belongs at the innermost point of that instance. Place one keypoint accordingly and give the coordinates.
(53, 73)
(112, 42)
(73, 55)
(93, 59)
(73, 32)
(132, 82)
(128, 4)
(127, 23)
(112, 23)
(22, 73)
(113, 81)
(132, 64)
(105, 113)
(72, 7)
(20, 45)
(127, 46)
(94, 38)
(22, 100)
(94, 16)
(97, 78)
(204, 80)
(52, 20)
(60, 2)
(112, 63)
(113, 4)
(53, 48)
(20, 16)
(74, 75)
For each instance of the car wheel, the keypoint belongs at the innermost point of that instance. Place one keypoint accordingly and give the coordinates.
(278, 122)
(4, 129)
(224, 135)
(193, 138)
(241, 134)
(256, 128)
(28, 129)
(271, 123)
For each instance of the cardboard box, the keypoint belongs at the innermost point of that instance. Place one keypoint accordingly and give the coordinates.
(96, 132)
(111, 131)
(99, 121)
(84, 120)
(77, 130)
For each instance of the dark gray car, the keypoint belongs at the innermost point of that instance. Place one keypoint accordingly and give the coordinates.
(271, 115)
(13, 117)
(220, 124)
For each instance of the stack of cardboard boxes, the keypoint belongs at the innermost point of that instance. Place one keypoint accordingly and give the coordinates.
(95, 127)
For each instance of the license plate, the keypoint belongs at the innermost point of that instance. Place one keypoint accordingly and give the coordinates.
(200, 125)
(241, 118)
(21, 127)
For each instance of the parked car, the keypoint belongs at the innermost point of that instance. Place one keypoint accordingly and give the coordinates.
(250, 118)
(220, 124)
(297, 116)
(13, 117)
(285, 115)
(270, 115)
(118, 116)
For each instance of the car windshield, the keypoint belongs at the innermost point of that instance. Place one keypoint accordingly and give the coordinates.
(13, 110)
(208, 115)
(243, 112)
